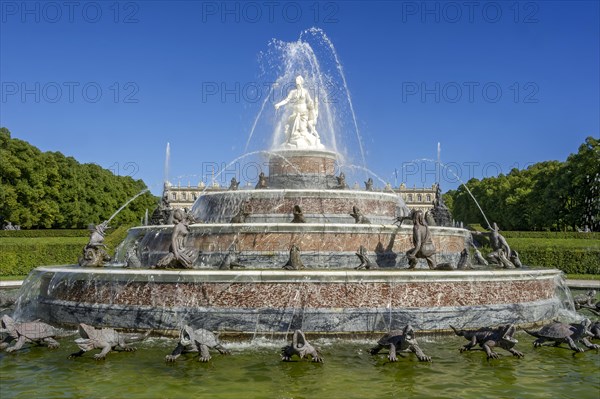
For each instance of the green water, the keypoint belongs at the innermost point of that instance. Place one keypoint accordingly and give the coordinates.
(254, 370)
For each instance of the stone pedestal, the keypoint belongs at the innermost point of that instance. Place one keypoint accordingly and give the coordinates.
(302, 169)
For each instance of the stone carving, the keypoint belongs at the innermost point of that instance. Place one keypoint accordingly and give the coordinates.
(262, 182)
(559, 333)
(242, 214)
(585, 300)
(422, 241)
(595, 329)
(300, 129)
(230, 261)
(197, 341)
(400, 341)
(365, 261)
(595, 309)
(429, 219)
(341, 181)
(10, 226)
(369, 184)
(479, 259)
(234, 184)
(7, 299)
(106, 339)
(359, 218)
(514, 258)
(501, 253)
(294, 262)
(490, 337)
(163, 214)
(440, 212)
(34, 332)
(301, 348)
(464, 262)
(132, 260)
(298, 215)
(179, 256)
(94, 253)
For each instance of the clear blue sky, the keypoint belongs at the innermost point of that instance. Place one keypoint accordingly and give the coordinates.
(499, 84)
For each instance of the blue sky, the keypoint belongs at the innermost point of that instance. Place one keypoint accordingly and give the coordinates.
(499, 84)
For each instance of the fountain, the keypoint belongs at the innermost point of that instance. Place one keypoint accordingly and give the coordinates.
(300, 251)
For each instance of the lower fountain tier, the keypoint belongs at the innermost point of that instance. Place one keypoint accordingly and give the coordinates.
(250, 302)
(267, 245)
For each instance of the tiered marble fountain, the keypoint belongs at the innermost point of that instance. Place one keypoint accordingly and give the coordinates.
(327, 296)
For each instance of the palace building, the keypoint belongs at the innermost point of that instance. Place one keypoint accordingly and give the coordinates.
(416, 198)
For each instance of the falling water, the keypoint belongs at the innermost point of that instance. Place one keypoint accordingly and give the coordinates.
(314, 57)
(470, 193)
(319, 32)
(262, 107)
(365, 169)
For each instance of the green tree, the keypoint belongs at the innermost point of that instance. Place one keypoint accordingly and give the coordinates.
(48, 190)
(549, 195)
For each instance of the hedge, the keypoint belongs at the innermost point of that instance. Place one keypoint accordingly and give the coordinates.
(551, 235)
(23, 250)
(45, 233)
(21, 258)
(569, 260)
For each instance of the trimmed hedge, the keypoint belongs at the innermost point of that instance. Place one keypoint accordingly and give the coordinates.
(23, 250)
(45, 233)
(569, 260)
(21, 258)
(552, 235)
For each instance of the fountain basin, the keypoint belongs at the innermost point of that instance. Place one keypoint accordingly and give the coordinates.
(277, 301)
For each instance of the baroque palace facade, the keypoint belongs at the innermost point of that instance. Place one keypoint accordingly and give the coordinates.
(416, 198)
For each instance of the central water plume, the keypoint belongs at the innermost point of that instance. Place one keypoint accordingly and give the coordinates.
(313, 57)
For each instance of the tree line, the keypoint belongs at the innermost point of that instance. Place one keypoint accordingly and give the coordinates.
(550, 195)
(49, 190)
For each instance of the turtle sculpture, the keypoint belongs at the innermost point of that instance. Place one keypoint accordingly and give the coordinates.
(106, 339)
(559, 333)
(300, 347)
(488, 338)
(595, 330)
(31, 332)
(585, 300)
(199, 340)
(402, 341)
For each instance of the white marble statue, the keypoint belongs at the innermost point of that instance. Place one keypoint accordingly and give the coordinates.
(300, 130)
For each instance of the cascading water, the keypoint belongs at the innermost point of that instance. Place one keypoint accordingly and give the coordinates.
(313, 57)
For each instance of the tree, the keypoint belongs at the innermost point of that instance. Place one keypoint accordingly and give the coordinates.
(48, 190)
(549, 195)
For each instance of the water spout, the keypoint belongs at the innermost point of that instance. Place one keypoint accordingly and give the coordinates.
(127, 203)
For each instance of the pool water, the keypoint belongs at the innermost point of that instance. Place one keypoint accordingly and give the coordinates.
(254, 370)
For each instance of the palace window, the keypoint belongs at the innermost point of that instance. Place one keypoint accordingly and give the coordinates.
(428, 197)
(419, 198)
(174, 196)
(410, 198)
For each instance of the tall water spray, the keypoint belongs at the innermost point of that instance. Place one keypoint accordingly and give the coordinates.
(167, 160)
(313, 57)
